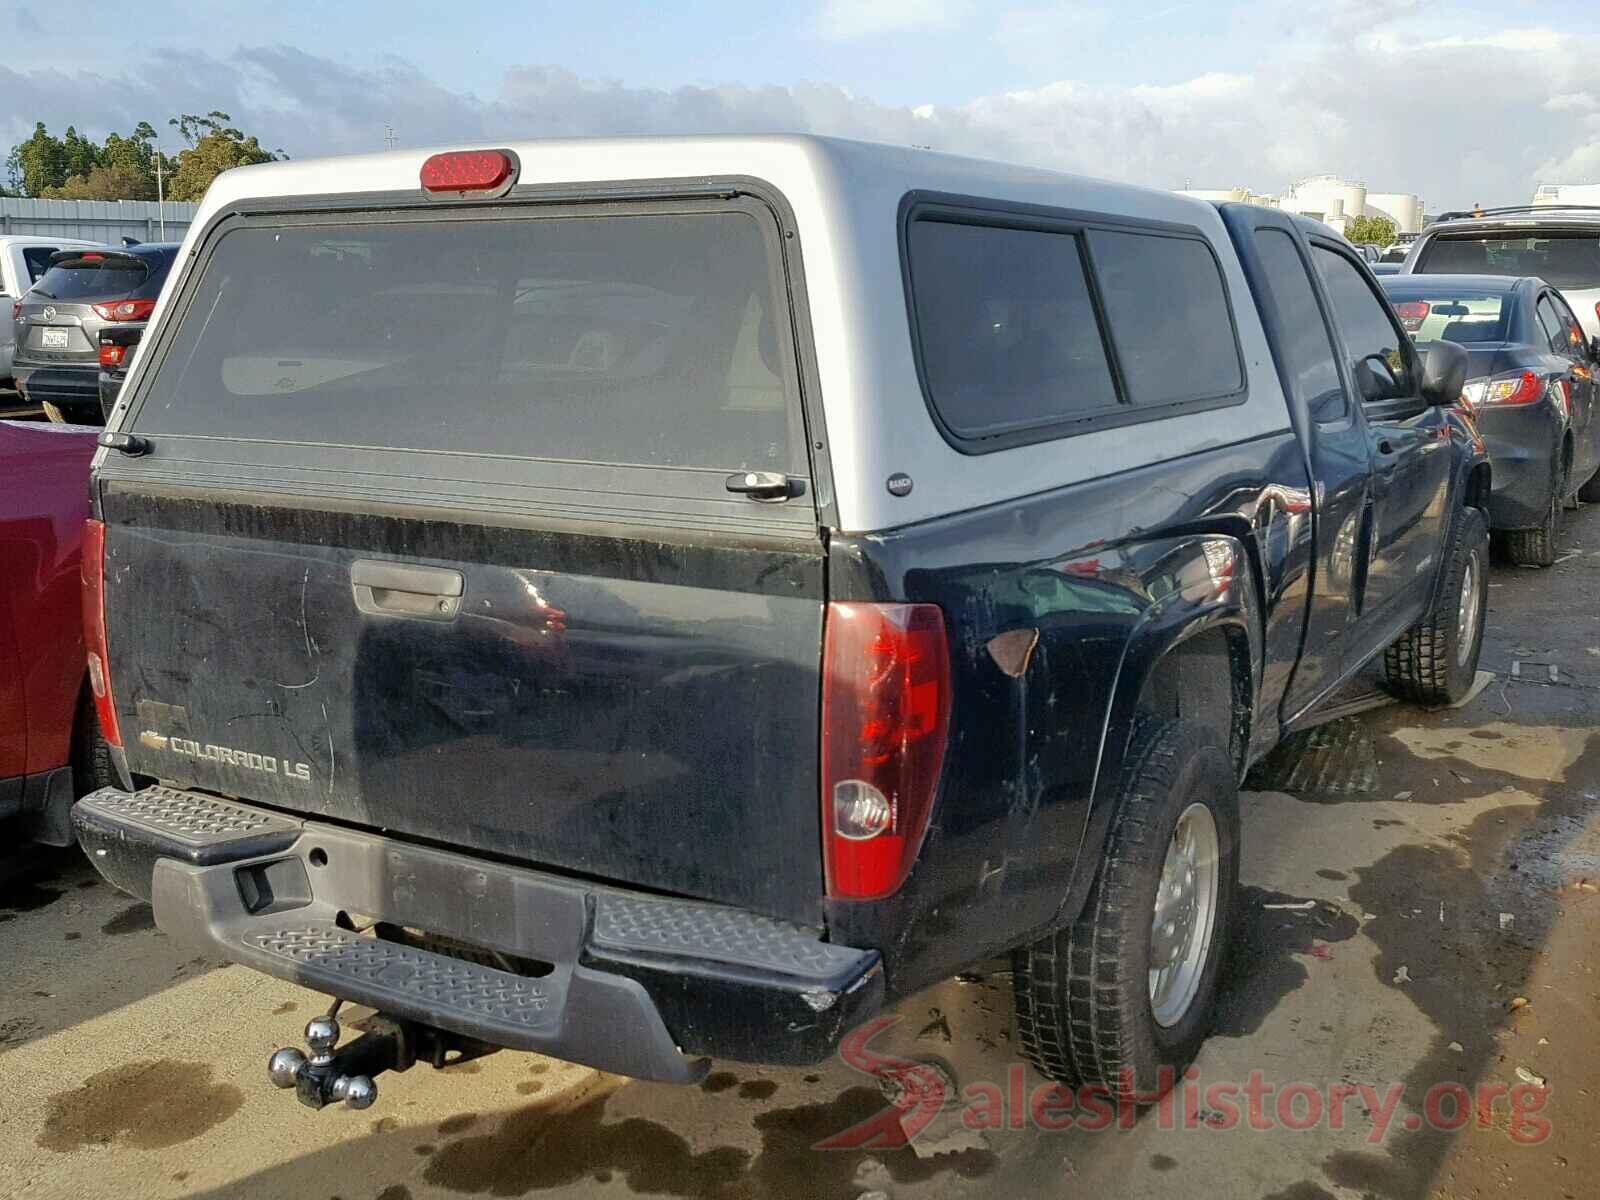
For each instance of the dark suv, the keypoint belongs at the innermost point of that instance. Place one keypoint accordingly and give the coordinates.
(60, 319)
(1559, 244)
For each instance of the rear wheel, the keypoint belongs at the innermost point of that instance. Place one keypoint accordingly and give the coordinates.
(1436, 660)
(1589, 493)
(1537, 547)
(91, 754)
(1123, 997)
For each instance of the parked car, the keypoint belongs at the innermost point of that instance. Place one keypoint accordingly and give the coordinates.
(1385, 268)
(1559, 244)
(117, 344)
(58, 322)
(1530, 384)
(22, 261)
(1394, 254)
(685, 624)
(51, 751)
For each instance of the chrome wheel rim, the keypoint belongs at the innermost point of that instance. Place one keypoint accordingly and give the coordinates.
(1185, 915)
(1467, 610)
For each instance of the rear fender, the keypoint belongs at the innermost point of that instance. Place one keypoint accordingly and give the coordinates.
(1208, 623)
(1470, 484)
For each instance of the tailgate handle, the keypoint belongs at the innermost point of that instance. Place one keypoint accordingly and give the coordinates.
(393, 589)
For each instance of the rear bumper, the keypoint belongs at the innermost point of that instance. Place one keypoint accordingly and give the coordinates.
(1524, 472)
(636, 984)
(74, 390)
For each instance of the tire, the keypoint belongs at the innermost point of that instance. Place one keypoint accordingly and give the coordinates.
(1436, 660)
(1083, 995)
(1537, 547)
(91, 754)
(1589, 493)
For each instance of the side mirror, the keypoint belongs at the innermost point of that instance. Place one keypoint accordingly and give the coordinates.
(1444, 373)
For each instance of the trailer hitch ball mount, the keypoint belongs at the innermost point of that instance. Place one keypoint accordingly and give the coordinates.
(330, 1074)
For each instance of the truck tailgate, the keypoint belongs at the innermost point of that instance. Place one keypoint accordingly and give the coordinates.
(444, 530)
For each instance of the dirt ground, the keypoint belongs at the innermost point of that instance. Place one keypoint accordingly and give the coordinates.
(1419, 915)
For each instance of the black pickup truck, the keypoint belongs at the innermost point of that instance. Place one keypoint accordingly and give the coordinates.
(653, 599)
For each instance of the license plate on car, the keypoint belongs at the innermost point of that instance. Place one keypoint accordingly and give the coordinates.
(53, 339)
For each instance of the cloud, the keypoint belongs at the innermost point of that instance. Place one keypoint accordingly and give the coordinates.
(1042, 35)
(1395, 114)
(846, 20)
(1581, 102)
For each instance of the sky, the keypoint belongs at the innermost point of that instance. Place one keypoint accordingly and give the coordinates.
(1460, 101)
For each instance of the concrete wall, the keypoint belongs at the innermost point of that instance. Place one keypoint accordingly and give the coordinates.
(96, 220)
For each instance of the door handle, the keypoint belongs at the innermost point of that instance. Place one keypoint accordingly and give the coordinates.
(764, 485)
(394, 589)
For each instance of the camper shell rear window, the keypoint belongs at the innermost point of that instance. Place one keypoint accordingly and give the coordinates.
(626, 337)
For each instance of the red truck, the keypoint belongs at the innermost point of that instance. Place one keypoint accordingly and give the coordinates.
(50, 745)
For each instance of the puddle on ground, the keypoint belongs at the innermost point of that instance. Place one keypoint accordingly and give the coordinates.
(1437, 909)
(147, 1105)
(16, 1030)
(1331, 764)
(538, 1148)
(26, 896)
(1371, 1174)
(136, 918)
(1304, 1190)
(1266, 947)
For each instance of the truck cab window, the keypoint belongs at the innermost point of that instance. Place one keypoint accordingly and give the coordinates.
(1377, 358)
(1308, 349)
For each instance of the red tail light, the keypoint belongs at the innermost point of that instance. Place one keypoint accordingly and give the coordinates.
(16, 310)
(94, 628)
(1412, 314)
(126, 310)
(1517, 389)
(111, 354)
(477, 171)
(885, 710)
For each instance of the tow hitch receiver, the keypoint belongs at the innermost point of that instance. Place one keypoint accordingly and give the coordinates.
(331, 1074)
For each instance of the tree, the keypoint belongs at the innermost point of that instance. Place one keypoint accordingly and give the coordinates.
(1379, 230)
(136, 151)
(214, 147)
(106, 183)
(74, 167)
(79, 155)
(38, 163)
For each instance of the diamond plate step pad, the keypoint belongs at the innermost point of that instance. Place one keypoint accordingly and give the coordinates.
(189, 825)
(718, 934)
(386, 975)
